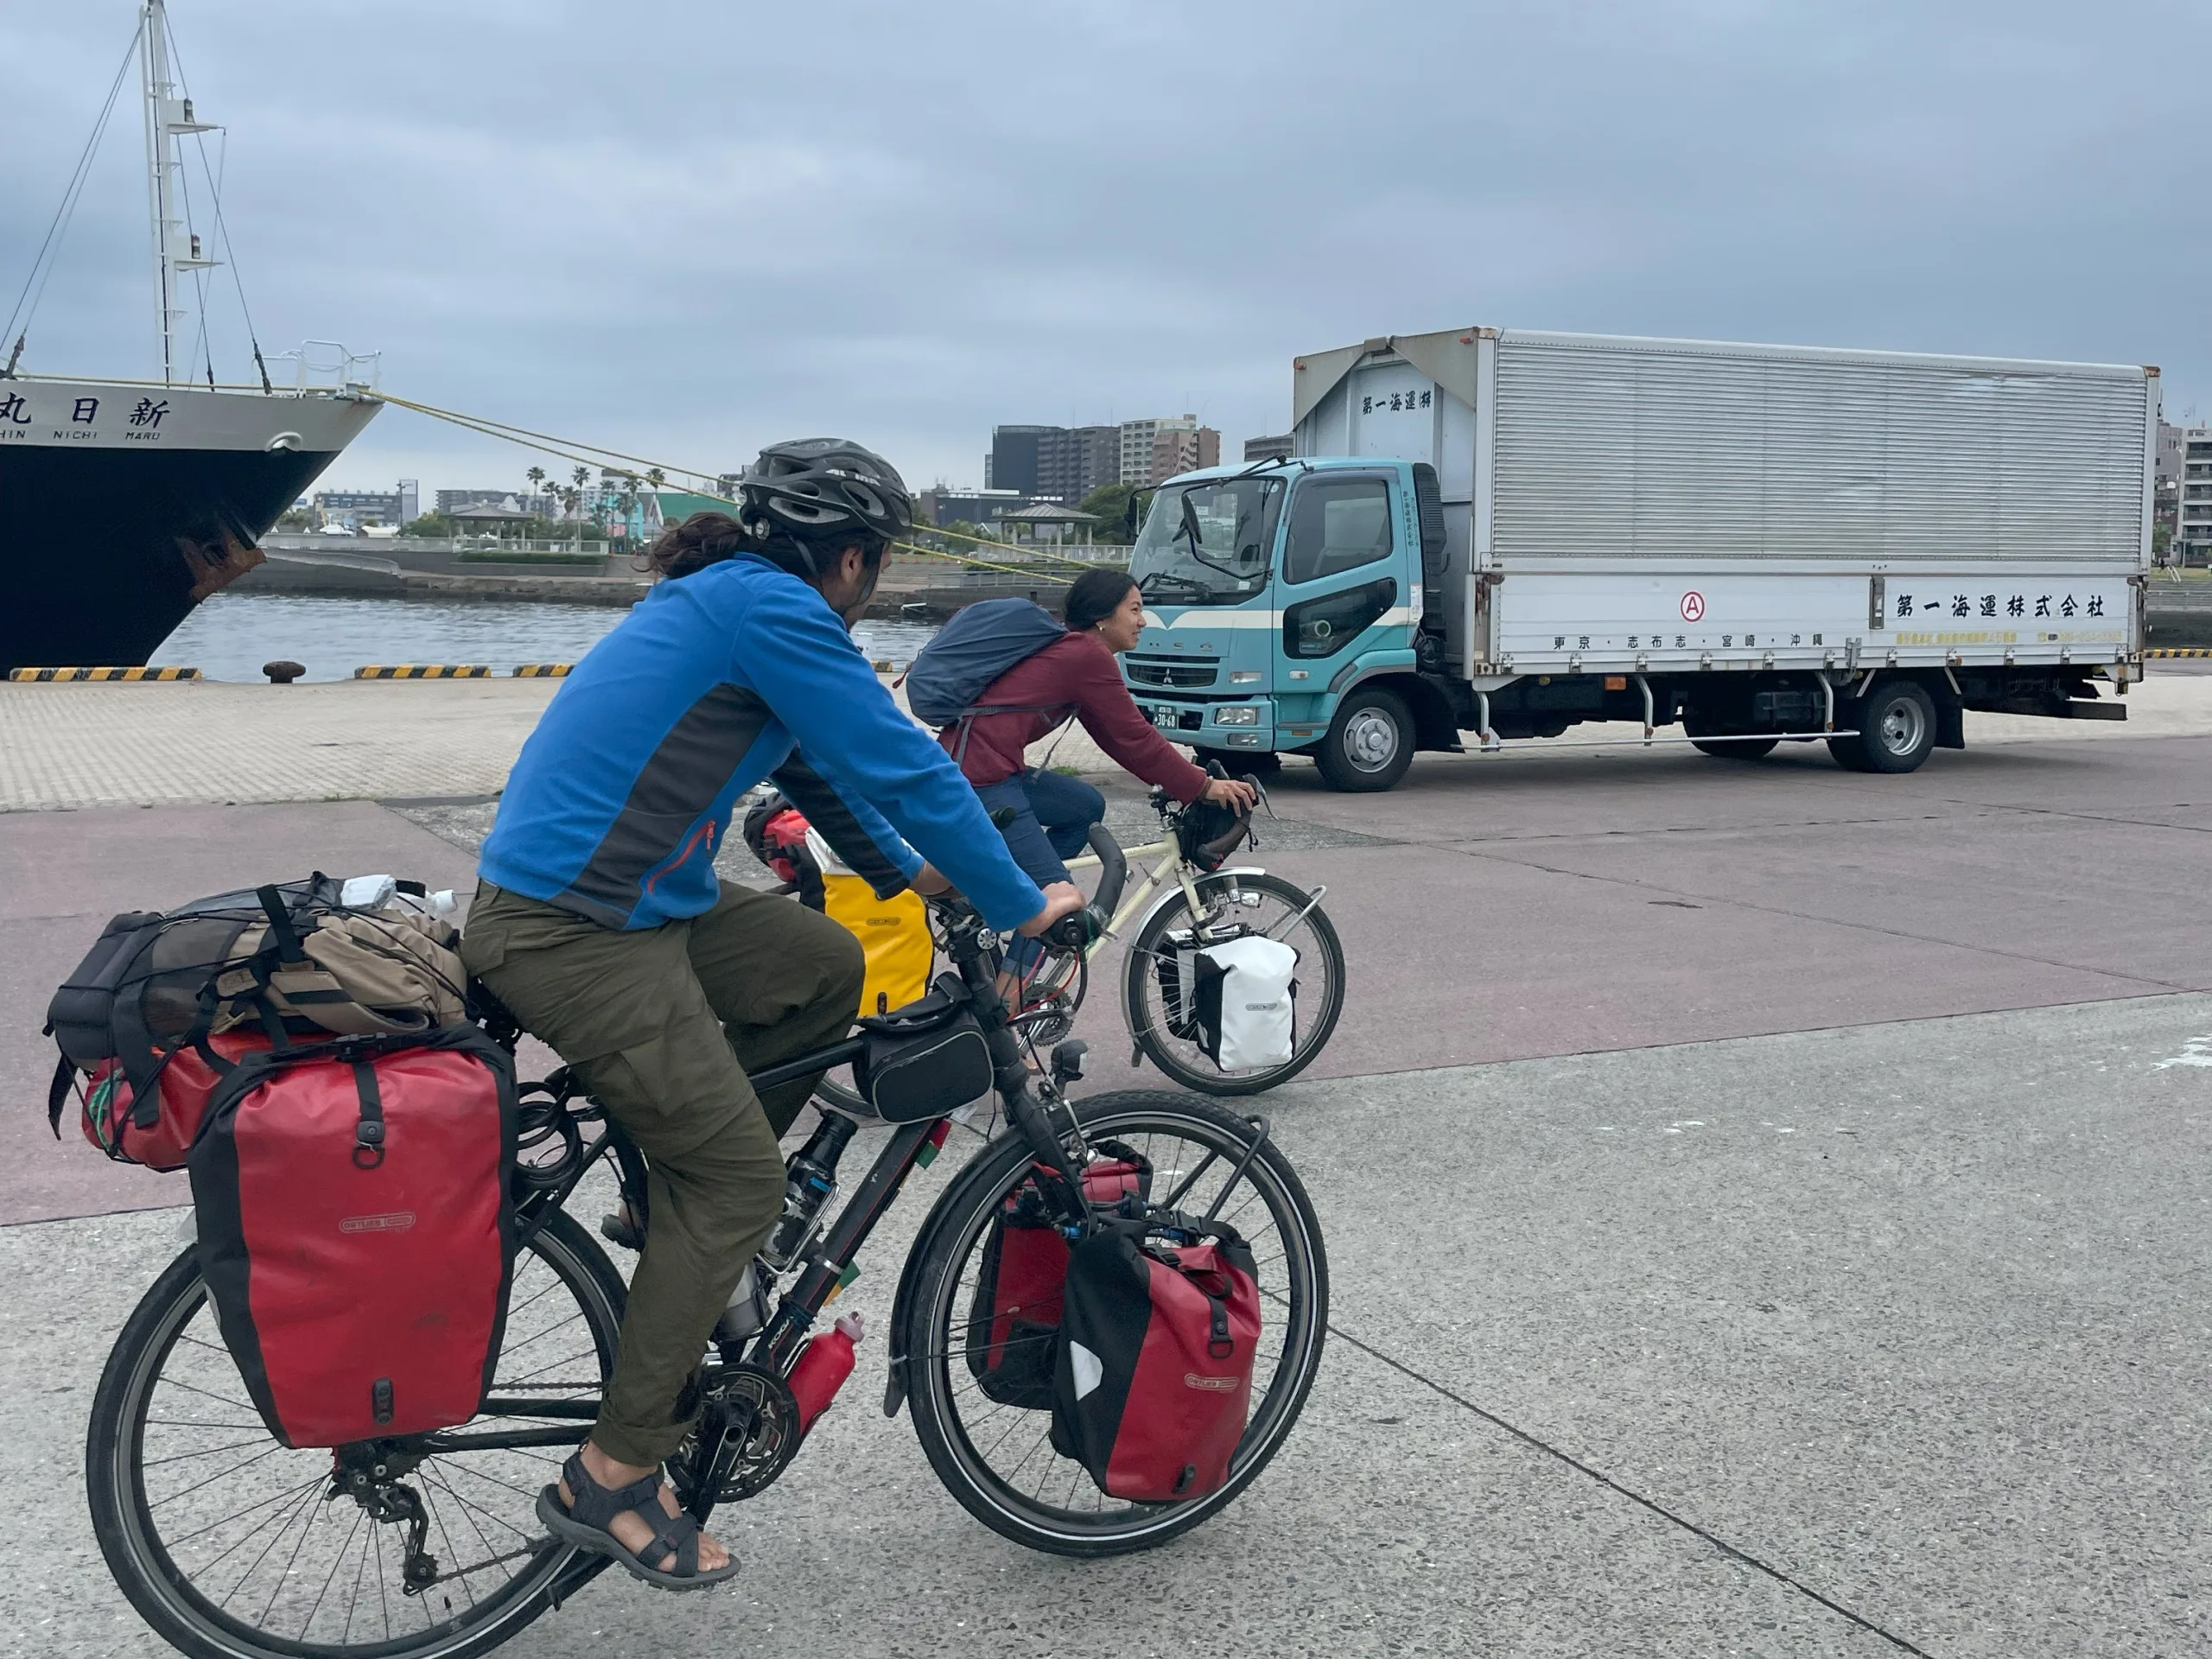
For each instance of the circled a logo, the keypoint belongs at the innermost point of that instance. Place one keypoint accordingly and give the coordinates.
(1693, 607)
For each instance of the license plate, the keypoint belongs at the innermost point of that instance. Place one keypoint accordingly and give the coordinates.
(1165, 719)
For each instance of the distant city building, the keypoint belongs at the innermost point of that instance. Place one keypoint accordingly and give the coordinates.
(538, 506)
(1268, 448)
(1065, 463)
(359, 509)
(2193, 511)
(943, 506)
(1155, 450)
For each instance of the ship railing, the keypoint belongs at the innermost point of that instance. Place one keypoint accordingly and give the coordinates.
(327, 366)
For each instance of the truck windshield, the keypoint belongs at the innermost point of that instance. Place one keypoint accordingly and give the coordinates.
(1208, 541)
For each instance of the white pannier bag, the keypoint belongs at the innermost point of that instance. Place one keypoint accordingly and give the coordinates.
(1245, 999)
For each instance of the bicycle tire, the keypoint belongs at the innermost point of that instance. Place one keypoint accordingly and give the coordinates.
(1137, 989)
(952, 1233)
(178, 1610)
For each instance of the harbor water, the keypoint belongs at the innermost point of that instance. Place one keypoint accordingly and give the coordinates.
(231, 636)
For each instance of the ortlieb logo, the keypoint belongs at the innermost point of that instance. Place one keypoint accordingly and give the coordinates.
(1214, 1384)
(397, 1222)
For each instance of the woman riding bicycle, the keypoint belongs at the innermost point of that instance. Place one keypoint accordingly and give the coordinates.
(1076, 676)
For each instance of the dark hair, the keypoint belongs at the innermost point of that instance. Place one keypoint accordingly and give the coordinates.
(1094, 596)
(710, 538)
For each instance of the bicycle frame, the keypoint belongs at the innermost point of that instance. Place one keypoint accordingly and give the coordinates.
(776, 1348)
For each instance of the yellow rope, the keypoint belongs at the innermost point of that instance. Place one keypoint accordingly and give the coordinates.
(546, 443)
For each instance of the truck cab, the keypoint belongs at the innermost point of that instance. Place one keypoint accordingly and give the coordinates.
(1284, 598)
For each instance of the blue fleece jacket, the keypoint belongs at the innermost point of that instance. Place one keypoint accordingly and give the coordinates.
(622, 794)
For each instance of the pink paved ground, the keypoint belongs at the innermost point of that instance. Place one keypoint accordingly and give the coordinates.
(1545, 905)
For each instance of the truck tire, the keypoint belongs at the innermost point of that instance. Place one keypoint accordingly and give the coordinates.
(1897, 730)
(1370, 744)
(1698, 729)
(1748, 748)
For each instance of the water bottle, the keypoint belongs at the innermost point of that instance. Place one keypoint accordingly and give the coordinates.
(810, 1183)
(822, 1369)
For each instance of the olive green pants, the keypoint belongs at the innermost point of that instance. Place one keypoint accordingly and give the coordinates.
(660, 1025)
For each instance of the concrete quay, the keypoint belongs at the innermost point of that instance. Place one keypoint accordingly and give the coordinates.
(1766, 1204)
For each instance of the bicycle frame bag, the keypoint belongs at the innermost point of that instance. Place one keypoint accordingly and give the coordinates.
(1244, 1003)
(923, 1061)
(1151, 1378)
(1014, 1315)
(357, 1231)
(181, 1094)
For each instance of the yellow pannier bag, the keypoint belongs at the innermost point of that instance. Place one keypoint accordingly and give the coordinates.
(894, 932)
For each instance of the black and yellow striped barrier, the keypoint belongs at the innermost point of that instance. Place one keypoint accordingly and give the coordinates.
(424, 671)
(541, 671)
(27, 675)
(2180, 650)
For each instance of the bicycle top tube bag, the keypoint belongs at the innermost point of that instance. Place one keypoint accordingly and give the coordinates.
(357, 1231)
(1151, 1378)
(1014, 1315)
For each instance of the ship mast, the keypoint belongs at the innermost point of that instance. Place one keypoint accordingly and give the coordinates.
(176, 250)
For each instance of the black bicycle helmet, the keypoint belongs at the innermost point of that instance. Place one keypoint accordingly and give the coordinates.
(817, 490)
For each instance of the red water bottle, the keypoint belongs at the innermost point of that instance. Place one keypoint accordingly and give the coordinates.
(822, 1369)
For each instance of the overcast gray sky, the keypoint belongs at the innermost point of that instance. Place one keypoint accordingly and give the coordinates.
(685, 227)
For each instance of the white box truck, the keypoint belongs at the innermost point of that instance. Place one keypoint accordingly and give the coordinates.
(1503, 534)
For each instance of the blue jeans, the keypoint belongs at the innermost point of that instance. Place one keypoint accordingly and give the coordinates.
(1053, 814)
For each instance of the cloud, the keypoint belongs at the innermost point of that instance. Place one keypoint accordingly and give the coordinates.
(684, 228)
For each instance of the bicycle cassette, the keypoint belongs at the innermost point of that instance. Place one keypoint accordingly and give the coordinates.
(754, 1413)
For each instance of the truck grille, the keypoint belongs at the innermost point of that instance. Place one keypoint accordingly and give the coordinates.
(1172, 671)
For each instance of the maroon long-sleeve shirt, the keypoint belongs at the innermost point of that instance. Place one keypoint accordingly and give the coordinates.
(1076, 674)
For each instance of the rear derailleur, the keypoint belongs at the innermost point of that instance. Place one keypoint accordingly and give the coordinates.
(371, 1473)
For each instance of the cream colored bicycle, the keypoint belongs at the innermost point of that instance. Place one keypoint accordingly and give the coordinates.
(1203, 902)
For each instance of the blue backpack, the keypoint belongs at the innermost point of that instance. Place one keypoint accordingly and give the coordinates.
(980, 644)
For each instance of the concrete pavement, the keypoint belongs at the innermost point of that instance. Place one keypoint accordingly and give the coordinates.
(1880, 1340)
(1766, 1207)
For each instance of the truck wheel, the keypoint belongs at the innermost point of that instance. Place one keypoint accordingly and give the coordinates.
(1698, 729)
(1370, 744)
(1897, 730)
(1749, 748)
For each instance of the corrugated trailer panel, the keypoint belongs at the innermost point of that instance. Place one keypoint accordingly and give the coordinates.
(1612, 449)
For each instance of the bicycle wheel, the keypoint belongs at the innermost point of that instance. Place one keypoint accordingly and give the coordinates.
(998, 1459)
(272, 1553)
(1232, 907)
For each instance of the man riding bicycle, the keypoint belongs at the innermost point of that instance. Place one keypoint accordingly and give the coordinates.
(1075, 676)
(599, 923)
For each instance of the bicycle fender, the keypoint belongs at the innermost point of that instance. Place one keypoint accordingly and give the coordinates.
(894, 1388)
(1175, 892)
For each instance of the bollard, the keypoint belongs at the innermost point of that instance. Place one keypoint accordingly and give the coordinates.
(283, 673)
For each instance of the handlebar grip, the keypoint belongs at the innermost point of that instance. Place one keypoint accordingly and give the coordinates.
(1080, 931)
(1113, 872)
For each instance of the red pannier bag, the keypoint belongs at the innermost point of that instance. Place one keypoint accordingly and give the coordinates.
(159, 1132)
(1015, 1314)
(357, 1231)
(1152, 1379)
